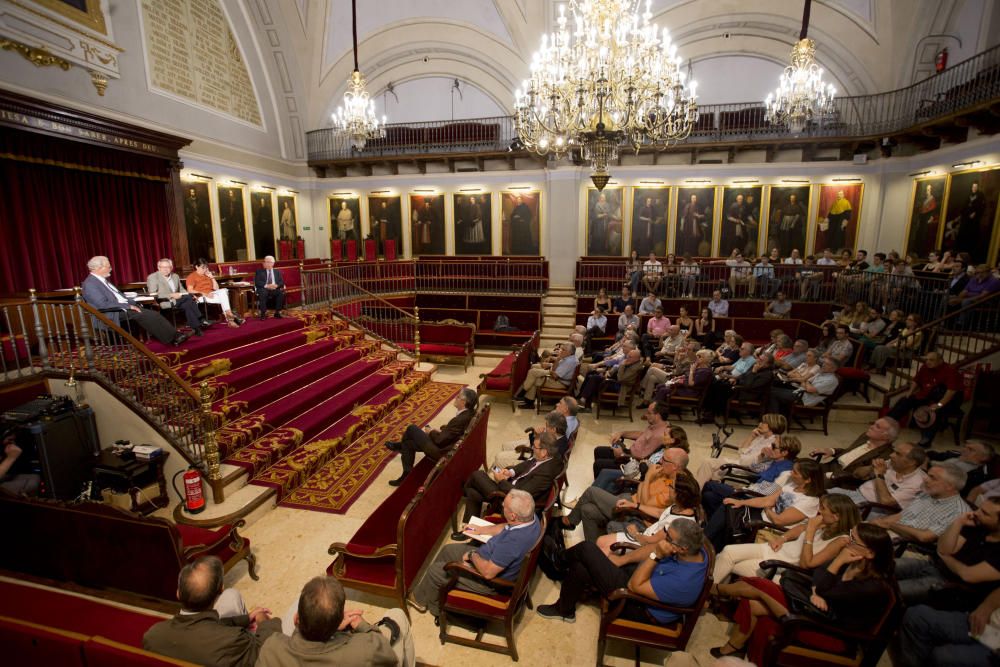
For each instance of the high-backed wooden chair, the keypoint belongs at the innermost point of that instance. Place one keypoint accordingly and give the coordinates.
(553, 394)
(814, 412)
(755, 407)
(608, 395)
(503, 606)
(694, 403)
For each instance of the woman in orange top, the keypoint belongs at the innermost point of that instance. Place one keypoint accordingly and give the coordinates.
(204, 287)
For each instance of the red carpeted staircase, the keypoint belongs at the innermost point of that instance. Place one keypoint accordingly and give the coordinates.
(304, 396)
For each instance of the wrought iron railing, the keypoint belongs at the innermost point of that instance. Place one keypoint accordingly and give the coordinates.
(968, 83)
(67, 337)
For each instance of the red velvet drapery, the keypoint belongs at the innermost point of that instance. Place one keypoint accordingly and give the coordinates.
(63, 202)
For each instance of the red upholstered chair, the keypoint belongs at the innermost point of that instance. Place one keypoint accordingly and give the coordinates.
(300, 249)
(854, 378)
(508, 376)
(371, 250)
(101, 652)
(284, 249)
(352, 251)
(673, 637)
(336, 249)
(502, 606)
(390, 250)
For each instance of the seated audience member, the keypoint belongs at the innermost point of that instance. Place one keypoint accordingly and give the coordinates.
(766, 434)
(903, 347)
(930, 513)
(855, 588)
(809, 368)
(771, 467)
(718, 305)
(871, 326)
(763, 279)
(809, 545)
(743, 363)
(794, 501)
(674, 437)
(326, 633)
(748, 379)
(641, 539)
(756, 383)
(675, 576)
(646, 442)
(968, 552)
(649, 304)
(627, 320)
(896, 482)
(596, 507)
(433, 442)
(597, 324)
(633, 272)
(782, 347)
(577, 340)
(893, 326)
(602, 301)
(841, 349)
(613, 351)
(980, 285)
(669, 344)
(166, 287)
(740, 272)
(621, 374)
(729, 351)
(937, 387)
(975, 457)
(874, 443)
(704, 328)
(684, 321)
(270, 287)
(656, 328)
(692, 383)
(100, 293)
(17, 476)
(688, 271)
(501, 556)
(810, 279)
(779, 309)
(933, 638)
(534, 476)
(794, 358)
(555, 374)
(204, 287)
(555, 423)
(213, 626)
(652, 274)
(809, 393)
(623, 301)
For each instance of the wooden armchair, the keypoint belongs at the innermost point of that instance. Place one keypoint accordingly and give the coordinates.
(553, 394)
(695, 403)
(503, 605)
(755, 407)
(793, 638)
(608, 395)
(821, 411)
(650, 632)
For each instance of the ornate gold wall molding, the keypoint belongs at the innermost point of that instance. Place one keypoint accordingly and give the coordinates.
(37, 56)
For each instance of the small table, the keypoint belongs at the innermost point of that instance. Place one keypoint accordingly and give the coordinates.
(130, 475)
(241, 290)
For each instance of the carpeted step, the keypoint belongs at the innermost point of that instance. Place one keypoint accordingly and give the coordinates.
(220, 338)
(273, 419)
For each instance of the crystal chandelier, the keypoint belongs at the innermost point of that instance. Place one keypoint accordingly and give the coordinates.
(801, 96)
(356, 118)
(610, 78)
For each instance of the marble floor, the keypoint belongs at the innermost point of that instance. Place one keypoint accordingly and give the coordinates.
(291, 547)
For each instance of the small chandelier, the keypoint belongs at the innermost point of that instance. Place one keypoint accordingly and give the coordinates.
(356, 118)
(801, 96)
(614, 78)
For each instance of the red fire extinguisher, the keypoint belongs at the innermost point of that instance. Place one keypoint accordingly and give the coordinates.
(941, 62)
(194, 495)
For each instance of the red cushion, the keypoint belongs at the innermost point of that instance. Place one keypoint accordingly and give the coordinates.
(850, 373)
(503, 368)
(28, 644)
(497, 384)
(380, 572)
(194, 535)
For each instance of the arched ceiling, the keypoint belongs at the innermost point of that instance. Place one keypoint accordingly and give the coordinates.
(866, 46)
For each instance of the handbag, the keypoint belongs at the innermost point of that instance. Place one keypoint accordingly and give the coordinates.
(738, 521)
(797, 588)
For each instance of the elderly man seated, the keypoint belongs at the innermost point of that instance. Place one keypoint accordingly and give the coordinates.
(326, 633)
(976, 458)
(937, 387)
(269, 285)
(809, 393)
(166, 287)
(213, 626)
(101, 293)
(896, 482)
(501, 556)
(555, 374)
(433, 442)
(620, 374)
(556, 422)
(932, 512)
(874, 443)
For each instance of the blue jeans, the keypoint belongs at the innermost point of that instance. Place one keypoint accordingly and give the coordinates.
(939, 639)
(606, 479)
(917, 577)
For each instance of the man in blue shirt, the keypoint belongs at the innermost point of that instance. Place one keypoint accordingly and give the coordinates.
(674, 574)
(501, 556)
(556, 374)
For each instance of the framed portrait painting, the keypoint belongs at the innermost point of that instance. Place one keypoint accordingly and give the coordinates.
(473, 223)
(198, 222)
(263, 224)
(788, 208)
(740, 227)
(838, 217)
(232, 222)
(427, 224)
(604, 222)
(926, 209)
(519, 224)
(649, 220)
(695, 215)
(386, 222)
(970, 212)
(288, 225)
(345, 219)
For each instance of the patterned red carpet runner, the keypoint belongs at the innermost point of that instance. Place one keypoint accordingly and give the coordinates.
(340, 482)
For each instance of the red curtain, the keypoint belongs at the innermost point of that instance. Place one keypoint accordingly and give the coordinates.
(64, 202)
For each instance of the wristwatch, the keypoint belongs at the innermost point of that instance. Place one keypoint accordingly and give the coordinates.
(652, 556)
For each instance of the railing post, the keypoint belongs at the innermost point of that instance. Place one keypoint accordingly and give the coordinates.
(211, 458)
(416, 332)
(43, 350)
(88, 349)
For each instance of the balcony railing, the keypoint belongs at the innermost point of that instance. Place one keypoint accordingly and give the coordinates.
(959, 87)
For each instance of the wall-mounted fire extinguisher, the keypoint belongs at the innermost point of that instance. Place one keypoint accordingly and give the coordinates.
(193, 497)
(941, 61)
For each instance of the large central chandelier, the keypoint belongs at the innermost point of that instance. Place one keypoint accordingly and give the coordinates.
(610, 78)
(356, 118)
(801, 97)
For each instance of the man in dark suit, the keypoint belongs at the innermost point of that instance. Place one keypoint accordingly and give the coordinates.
(755, 385)
(432, 442)
(100, 293)
(270, 286)
(855, 459)
(213, 626)
(534, 476)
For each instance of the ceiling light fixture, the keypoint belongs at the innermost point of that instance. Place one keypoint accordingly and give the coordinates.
(801, 97)
(613, 78)
(356, 118)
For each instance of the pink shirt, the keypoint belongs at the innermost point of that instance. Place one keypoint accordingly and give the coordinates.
(658, 326)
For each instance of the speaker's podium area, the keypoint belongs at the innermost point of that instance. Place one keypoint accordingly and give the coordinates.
(292, 292)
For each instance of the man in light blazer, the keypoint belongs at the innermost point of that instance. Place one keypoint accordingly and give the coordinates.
(270, 287)
(100, 293)
(166, 287)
